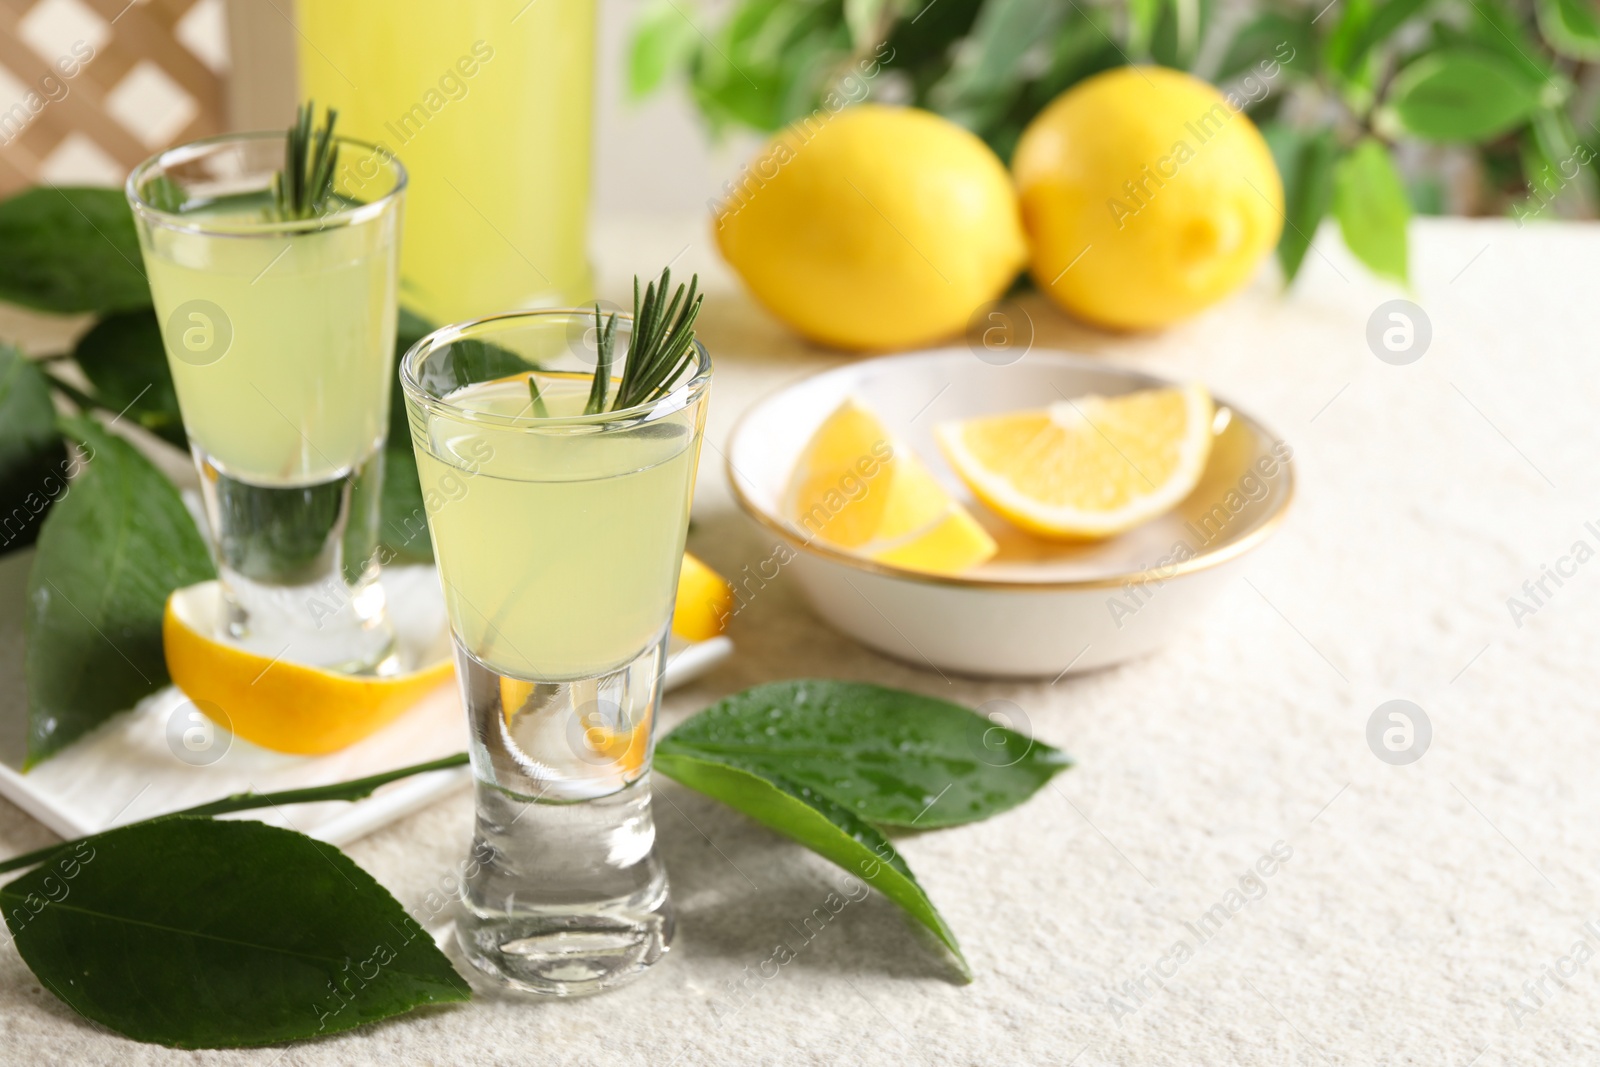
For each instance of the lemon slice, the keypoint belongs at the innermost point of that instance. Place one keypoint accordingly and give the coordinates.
(705, 601)
(1087, 468)
(287, 707)
(858, 489)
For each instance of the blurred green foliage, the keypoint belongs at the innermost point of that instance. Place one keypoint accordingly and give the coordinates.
(1375, 109)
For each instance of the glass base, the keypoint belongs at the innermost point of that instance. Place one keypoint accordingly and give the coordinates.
(567, 895)
(572, 899)
(298, 568)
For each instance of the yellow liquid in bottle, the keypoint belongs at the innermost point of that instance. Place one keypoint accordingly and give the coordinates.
(487, 103)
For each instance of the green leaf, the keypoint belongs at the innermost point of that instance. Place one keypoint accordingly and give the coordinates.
(768, 63)
(196, 933)
(1342, 52)
(1082, 47)
(1572, 27)
(1384, 21)
(109, 553)
(1142, 16)
(804, 79)
(33, 460)
(403, 520)
(1180, 28)
(1078, 48)
(820, 824)
(864, 17)
(410, 329)
(403, 523)
(362, 533)
(892, 758)
(1369, 200)
(985, 68)
(1426, 195)
(663, 41)
(1363, 25)
(1557, 140)
(1495, 27)
(279, 534)
(474, 361)
(1546, 167)
(920, 45)
(1305, 162)
(1461, 95)
(70, 250)
(1271, 38)
(123, 358)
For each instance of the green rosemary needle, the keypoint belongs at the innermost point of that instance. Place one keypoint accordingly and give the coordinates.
(302, 189)
(606, 348)
(539, 410)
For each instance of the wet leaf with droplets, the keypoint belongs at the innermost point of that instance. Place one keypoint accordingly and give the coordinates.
(110, 551)
(891, 757)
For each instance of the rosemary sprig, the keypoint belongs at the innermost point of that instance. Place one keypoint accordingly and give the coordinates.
(662, 342)
(662, 346)
(301, 190)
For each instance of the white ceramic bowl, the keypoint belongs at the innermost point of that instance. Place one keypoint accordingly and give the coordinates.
(1038, 608)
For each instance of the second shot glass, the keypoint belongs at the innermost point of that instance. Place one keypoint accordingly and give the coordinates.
(559, 537)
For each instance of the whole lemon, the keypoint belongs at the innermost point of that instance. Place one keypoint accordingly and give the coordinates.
(873, 228)
(1146, 197)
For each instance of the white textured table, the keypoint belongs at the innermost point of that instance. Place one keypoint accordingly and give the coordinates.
(1417, 899)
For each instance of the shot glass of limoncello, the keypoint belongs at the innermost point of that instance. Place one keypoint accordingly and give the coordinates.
(559, 531)
(279, 330)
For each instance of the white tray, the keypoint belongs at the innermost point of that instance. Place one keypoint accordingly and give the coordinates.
(124, 771)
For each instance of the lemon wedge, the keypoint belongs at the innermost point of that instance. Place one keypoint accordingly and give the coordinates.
(287, 707)
(1087, 468)
(705, 601)
(858, 489)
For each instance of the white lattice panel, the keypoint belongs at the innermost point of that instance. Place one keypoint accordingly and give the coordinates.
(88, 88)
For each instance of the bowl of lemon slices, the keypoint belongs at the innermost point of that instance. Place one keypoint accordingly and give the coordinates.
(1049, 516)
